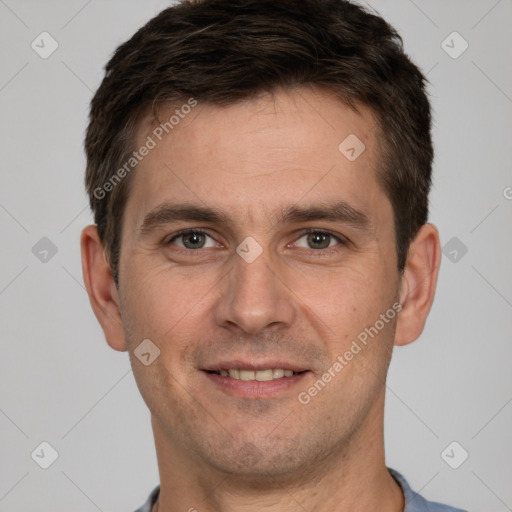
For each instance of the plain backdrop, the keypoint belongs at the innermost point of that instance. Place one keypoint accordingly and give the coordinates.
(61, 383)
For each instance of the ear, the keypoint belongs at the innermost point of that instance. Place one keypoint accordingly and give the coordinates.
(418, 284)
(101, 288)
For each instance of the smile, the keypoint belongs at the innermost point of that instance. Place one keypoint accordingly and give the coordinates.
(259, 375)
(260, 380)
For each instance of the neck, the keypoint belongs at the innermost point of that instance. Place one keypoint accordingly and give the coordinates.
(353, 478)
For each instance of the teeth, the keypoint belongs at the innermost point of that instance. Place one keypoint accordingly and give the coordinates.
(234, 374)
(260, 375)
(246, 375)
(263, 375)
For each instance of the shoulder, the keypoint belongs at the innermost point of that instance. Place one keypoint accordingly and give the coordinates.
(150, 501)
(413, 501)
(416, 503)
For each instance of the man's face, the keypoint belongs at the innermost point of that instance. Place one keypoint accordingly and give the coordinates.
(269, 169)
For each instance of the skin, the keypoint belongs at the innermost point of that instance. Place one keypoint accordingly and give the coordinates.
(297, 302)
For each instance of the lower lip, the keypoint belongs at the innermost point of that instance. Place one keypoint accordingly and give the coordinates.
(256, 388)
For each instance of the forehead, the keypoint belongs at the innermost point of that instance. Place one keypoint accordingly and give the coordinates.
(257, 156)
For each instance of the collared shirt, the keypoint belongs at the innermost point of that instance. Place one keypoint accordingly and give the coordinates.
(413, 501)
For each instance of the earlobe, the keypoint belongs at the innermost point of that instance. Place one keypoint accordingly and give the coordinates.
(418, 284)
(101, 288)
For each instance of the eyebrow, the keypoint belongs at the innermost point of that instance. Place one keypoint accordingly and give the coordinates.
(340, 212)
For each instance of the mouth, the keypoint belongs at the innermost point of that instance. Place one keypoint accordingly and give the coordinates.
(246, 380)
(259, 375)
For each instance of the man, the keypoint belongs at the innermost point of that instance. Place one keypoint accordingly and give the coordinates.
(259, 174)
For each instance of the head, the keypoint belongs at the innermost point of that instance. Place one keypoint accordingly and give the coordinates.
(259, 174)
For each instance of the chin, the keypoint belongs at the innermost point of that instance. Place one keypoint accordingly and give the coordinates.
(264, 459)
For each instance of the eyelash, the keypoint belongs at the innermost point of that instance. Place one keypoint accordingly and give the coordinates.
(341, 240)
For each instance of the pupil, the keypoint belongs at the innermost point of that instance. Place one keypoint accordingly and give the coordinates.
(319, 240)
(193, 240)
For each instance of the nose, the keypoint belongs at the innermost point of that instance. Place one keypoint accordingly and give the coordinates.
(254, 297)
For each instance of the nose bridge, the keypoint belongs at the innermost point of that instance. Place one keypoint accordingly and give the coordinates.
(254, 298)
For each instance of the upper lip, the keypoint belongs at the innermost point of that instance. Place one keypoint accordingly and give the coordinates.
(254, 365)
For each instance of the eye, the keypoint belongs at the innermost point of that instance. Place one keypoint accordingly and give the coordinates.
(192, 239)
(317, 240)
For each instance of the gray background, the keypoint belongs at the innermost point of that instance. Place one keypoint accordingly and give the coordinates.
(61, 383)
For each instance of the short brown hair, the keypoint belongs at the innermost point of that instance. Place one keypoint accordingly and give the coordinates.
(224, 51)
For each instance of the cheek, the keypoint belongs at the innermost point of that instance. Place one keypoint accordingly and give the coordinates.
(169, 310)
(346, 300)
(163, 302)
